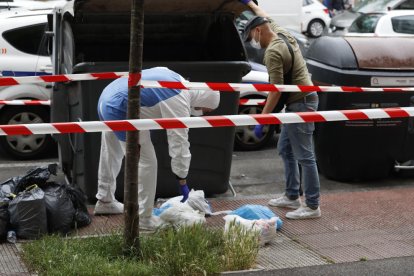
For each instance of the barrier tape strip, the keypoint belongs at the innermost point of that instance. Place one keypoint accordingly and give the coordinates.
(208, 121)
(9, 81)
(260, 102)
(211, 86)
(24, 102)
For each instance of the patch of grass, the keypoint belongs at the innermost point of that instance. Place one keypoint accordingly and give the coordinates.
(54, 255)
(240, 247)
(194, 250)
(363, 259)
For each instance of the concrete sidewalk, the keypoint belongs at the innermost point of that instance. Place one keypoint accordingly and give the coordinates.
(355, 228)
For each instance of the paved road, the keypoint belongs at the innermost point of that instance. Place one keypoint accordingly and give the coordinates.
(387, 267)
(261, 172)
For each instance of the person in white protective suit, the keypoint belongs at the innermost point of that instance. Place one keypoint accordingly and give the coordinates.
(155, 103)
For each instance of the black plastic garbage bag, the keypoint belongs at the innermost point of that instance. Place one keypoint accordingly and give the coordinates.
(28, 213)
(4, 218)
(59, 208)
(82, 217)
(37, 176)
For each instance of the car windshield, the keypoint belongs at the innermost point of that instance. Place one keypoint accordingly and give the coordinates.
(365, 23)
(366, 6)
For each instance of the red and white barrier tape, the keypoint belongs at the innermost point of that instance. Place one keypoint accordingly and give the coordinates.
(260, 102)
(208, 121)
(40, 102)
(24, 102)
(9, 81)
(212, 86)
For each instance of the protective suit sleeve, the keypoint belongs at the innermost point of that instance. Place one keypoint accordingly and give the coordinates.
(178, 144)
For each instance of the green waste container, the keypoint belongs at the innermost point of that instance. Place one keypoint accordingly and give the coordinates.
(202, 47)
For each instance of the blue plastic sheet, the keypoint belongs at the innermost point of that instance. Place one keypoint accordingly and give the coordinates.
(253, 212)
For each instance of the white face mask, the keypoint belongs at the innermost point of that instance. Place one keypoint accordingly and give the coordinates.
(255, 44)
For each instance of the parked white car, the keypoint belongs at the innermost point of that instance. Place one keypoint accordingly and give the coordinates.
(315, 18)
(341, 22)
(392, 23)
(24, 52)
(245, 138)
(6, 5)
(305, 16)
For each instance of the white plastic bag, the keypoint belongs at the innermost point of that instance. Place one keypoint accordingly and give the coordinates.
(265, 227)
(182, 215)
(196, 201)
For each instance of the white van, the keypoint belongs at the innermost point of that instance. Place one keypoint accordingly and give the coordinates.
(8, 5)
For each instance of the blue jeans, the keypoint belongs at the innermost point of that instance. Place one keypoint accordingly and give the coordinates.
(296, 147)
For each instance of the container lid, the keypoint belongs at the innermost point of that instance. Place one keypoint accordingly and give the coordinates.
(383, 53)
(159, 6)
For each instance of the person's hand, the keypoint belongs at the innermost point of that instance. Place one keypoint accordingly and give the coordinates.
(184, 192)
(258, 131)
(245, 1)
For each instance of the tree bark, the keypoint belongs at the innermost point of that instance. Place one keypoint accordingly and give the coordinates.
(131, 231)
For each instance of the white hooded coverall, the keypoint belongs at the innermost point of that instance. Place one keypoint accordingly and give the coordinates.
(155, 103)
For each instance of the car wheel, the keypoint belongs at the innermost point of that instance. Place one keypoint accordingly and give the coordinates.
(315, 28)
(245, 138)
(25, 147)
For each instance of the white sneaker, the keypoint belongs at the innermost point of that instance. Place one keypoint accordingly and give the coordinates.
(283, 201)
(304, 212)
(151, 223)
(108, 208)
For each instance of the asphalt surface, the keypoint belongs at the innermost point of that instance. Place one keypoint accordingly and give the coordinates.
(387, 267)
(261, 172)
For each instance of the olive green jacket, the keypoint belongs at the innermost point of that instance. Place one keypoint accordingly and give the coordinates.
(278, 61)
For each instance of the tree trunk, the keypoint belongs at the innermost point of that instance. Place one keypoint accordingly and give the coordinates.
(131, 232)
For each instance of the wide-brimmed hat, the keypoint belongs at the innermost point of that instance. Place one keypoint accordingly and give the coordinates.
(251, 24)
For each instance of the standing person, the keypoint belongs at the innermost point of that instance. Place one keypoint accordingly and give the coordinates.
(155, 103)
(338, 5)
(285, 64)
(328, 5)
(349, 4)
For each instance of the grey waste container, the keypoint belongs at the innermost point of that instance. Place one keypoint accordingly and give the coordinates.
(201, 47)
(369, 149)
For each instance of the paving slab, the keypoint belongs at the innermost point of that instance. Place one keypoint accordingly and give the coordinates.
(10, 262)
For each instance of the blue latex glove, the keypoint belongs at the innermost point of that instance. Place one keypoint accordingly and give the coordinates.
(184, 192)
(258, 131)
(245, 1)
